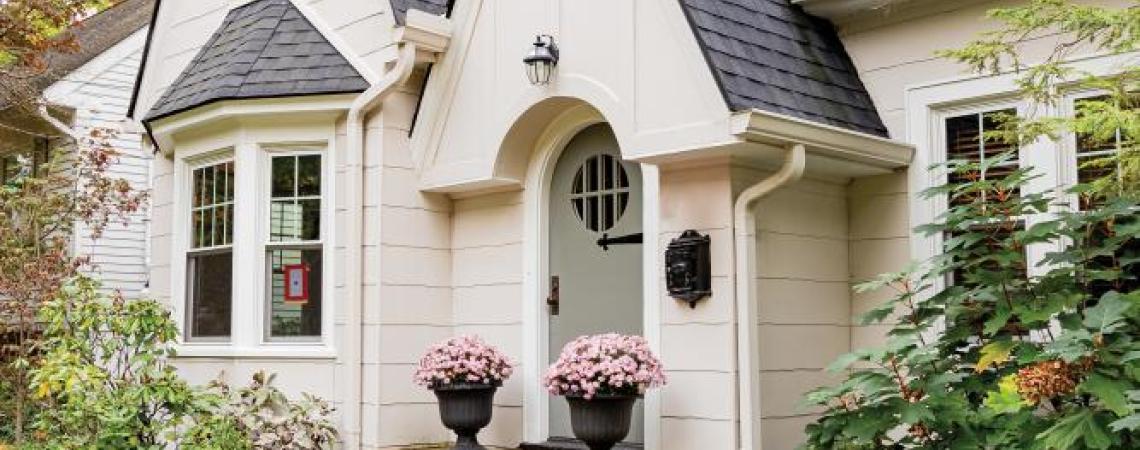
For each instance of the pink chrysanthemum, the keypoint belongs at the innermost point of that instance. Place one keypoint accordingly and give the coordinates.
(463, 360)
(607, 364)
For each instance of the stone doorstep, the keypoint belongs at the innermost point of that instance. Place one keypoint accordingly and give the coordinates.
(571, 444)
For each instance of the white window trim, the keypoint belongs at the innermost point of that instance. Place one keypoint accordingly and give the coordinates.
(929, 104)
(265, 180)
(183, 230)
(248, 331)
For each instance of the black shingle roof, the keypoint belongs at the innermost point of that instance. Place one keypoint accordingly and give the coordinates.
(263, 49)
(773, 56)
(435, 7)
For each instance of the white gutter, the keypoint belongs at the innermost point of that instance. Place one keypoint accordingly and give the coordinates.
(744, 225)
(354, 232)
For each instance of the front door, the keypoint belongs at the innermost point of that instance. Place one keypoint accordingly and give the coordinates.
(594, 194)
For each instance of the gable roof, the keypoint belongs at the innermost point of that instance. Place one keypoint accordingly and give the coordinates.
(773, 56)
(434, 7)
(266, 48)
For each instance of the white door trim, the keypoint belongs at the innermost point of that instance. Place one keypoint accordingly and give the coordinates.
(536, 412)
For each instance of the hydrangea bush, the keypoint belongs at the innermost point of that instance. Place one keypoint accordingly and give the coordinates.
(605, 365)
(463, 360)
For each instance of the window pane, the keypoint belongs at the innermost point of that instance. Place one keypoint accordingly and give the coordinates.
(284, 171)
(210, 286)
(284, 220)
(310, 219)
(309, 175)
(295, 292)
(229, 171)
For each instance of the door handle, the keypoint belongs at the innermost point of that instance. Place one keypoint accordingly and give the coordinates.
(552, 300)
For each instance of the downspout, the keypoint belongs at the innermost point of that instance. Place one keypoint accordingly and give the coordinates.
(354, 201)
(744, 224)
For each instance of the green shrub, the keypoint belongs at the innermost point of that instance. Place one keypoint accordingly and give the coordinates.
(104, 381)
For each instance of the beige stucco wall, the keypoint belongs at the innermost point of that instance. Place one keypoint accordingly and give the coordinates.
(698, 344)
(487, 300)
(804, 303)
(619, 62)
(406, 276)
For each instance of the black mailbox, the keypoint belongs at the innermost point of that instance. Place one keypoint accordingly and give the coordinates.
(688, 268)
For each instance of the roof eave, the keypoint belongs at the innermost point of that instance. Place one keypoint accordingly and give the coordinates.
(833, 142)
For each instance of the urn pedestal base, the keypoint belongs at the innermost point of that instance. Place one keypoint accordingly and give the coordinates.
(465, 409)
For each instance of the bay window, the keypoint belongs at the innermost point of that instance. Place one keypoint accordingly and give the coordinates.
(256, 251)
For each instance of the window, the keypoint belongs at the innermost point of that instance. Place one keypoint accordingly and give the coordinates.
(600, 193)
(12, 165)
(294, 251)
(209, 262)
(966, 141)
(1096, 159)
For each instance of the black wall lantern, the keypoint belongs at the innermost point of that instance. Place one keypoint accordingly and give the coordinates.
(541, 60)
(688, 268)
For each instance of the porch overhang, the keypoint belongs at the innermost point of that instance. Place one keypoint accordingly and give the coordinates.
(762, 137)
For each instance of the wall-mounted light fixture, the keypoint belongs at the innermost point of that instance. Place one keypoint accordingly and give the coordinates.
(541, 60)
(688, 268)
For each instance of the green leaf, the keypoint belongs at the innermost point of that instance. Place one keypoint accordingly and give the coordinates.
(996, 352)
(1005, 400)
(1081, 426)
(1110, 392)
(1108, 315)
(1130, 423)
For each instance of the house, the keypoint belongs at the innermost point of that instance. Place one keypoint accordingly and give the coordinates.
(340, 183)
(90, 89)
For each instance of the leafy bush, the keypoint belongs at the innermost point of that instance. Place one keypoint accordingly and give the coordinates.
(1001, 358)
(104, 376)
(260, 417)
(104, 381)
(985, 351)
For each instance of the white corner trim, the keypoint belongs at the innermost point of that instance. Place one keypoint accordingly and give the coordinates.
(337, 41)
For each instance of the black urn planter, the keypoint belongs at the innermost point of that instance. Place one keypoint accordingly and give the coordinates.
(465, 409)
(601, 422)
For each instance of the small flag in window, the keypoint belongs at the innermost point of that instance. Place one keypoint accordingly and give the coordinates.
(297, 284)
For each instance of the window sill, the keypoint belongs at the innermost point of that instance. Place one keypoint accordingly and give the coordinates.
(213, 350)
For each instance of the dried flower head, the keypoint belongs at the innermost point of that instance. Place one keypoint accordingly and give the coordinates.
(1050, 379)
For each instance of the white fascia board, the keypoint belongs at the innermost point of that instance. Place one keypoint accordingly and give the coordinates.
(824, 140)
(163, 130)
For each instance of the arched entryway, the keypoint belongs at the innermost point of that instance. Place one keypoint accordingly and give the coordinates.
(595, 253)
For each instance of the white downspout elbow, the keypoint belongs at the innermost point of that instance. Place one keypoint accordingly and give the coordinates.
(744, 224)
(354, 234)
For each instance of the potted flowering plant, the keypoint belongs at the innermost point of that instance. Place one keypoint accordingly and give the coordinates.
(464, 372)
(601, 377)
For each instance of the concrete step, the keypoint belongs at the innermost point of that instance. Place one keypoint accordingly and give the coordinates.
(571, 444)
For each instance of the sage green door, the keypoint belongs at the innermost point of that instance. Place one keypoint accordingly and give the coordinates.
(593, 194)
